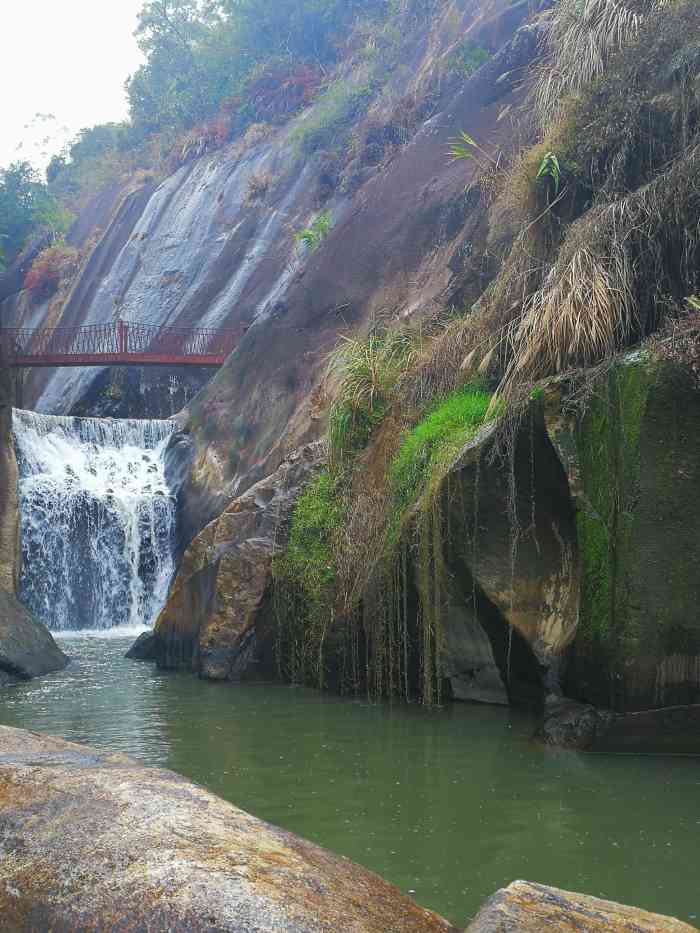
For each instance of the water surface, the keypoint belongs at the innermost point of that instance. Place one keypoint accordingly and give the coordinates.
(451, 805)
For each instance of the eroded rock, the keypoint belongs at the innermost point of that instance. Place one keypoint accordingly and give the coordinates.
(208, 623)
(524, 907)
(95, 841)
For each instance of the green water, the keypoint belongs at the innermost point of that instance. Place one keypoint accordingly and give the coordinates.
(451, 804)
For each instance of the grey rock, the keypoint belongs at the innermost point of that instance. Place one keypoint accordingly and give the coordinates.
(27, 648)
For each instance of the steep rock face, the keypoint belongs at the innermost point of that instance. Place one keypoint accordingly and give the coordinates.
(93, 841)
(197, 251)
(208, 623)
(524, 907)
(9, 510)
(633, 463)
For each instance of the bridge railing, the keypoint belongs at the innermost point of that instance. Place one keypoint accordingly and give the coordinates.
(117, 338)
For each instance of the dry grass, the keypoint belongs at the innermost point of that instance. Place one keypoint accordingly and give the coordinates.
(580, 38)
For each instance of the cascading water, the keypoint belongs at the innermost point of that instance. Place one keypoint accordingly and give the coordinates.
(97, 520)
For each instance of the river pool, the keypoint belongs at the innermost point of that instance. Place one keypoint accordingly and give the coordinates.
(449, 804)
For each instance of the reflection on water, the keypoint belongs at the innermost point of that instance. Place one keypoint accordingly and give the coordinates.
(451, 805)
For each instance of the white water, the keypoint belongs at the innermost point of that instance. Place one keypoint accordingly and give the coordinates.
(97, 520)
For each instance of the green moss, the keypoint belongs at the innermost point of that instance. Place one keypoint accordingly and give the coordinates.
(305, 582)
(433, 441)
(608, 448)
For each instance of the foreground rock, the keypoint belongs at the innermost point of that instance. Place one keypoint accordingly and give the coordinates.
(26, 647)
(524, 907)
(93, 841)
(208, 623)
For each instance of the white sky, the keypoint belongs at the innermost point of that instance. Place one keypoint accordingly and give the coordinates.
(66, 60)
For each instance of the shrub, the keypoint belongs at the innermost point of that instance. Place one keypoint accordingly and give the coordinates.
(49, 269)
(312, 236)
(467, 58)
(258, 186)
(336, 108)
(366, 371)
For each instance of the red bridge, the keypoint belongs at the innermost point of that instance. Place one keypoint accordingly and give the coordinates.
(121, 343)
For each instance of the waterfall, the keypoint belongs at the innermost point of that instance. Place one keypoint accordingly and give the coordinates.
(97, 520)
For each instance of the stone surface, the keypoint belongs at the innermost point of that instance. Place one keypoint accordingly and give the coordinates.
(145, 648)
(94, 841)
(633, 465)
(27, 648)
(510, 616)
(524, 907)
(208, 623)
(9, 512)
(569, 724)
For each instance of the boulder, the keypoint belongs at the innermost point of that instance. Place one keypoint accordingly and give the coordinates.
(524, 907)
(94, 841)
(145, 648)
(27, 648)
(208, 624)
(569, 724)
(632, 460)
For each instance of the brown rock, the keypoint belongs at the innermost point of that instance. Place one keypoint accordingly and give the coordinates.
(524, 907)
(94, 841)
(208, 623)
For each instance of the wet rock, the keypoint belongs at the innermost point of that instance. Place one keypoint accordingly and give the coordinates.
(208, 624)
(145, 648)
(674, 729)
(524, 907)
(508, 625)
(95, 841)
(27, 648)
(568, 724)
(633, 465)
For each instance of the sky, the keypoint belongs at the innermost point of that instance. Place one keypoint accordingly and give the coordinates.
(63, 64)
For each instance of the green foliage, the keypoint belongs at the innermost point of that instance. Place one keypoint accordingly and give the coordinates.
(465, 148)
(312, 236)
(334, 110)
(305, 577)
(317, 516)
(549, 172)
(433, 441)
(467, 58)
(366, 371)
(26, 207)
(199, 56)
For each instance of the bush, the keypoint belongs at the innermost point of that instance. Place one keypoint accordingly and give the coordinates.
(49, 269)
(467, 58)
(367, 371)
(337, 107)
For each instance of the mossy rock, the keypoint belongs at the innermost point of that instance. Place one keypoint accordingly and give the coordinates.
(634, 464)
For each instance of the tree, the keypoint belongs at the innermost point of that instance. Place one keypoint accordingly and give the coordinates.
(26, 206)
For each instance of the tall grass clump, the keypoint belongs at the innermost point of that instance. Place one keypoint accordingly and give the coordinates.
(365, 372)
(579, 40)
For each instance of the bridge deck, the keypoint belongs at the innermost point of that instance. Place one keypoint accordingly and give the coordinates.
(119, 343)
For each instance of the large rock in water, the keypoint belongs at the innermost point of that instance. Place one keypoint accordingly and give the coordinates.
(94, 841)
(524, 907)
(208, 623)
(27, 648)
